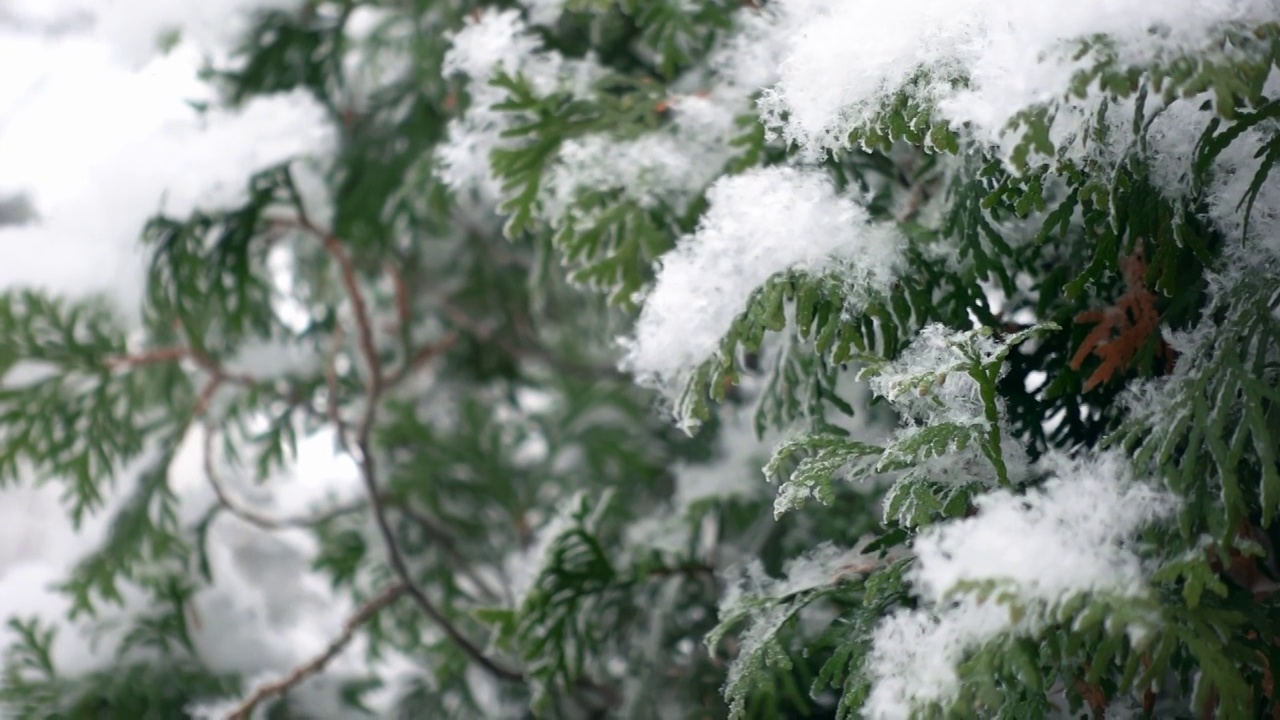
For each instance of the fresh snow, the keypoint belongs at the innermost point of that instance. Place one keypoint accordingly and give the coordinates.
(99, 147)
(1072, 535)
(493, 42)
(758, 224)
(1011, 54)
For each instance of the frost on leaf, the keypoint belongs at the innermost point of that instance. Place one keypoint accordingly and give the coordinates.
(768, 604)
(495, 43)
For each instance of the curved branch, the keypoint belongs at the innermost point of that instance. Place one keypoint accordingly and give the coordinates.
(376, 384)
(319, 662)
(253, 517)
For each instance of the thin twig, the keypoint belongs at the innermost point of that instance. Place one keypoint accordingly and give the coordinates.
(516, 351)
(178, 353)
(429, 525)
(149, 357)
(685, 569)
(364, 327)
(422, 356)
(448, 545)
(403, 305)
(332, 405)
(253, 517)
(375, 386)
(318, 663)
(369, 473)
(218, 375)
(915, 199)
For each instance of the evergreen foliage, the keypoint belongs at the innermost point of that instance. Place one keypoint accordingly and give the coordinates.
(1022, 419)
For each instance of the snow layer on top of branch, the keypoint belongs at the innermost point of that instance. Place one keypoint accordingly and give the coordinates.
(1082, 520)
(824, 565)
(675, 163)
(978, 61)
(491, 43)
(671, 165)
(757, 224)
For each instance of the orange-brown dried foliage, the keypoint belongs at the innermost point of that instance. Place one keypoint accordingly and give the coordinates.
(1121, 330)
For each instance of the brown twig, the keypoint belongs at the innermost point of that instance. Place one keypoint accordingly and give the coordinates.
(318, 663)
(447, 543)
(363, 446)
(153, 356)
(364, 326)
(915, 199)
(422, 356)
(403, 305)
(369, 473)
(476, 329)
(218, 375)
(691, 569)
(253, 517)
(429, 525)
(178, 353)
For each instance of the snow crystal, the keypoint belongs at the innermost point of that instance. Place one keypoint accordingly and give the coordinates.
(1072, 536)
(915, 654)
(1010, 54)
(1079, 520)
(822, 566)
(758, 224)
(671, 165)
(493, 42)
(496, 40)
(923, 382)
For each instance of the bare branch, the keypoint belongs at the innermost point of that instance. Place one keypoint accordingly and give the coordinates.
(318, 663)
(332, 408)
(530, 349)
(369, 473)
(253, 517)
(375, 385)
(421, 357)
